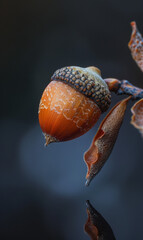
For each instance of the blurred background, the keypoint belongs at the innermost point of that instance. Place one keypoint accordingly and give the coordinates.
(42, 192)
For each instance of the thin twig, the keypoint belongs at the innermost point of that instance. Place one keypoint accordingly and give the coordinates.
(124, 87)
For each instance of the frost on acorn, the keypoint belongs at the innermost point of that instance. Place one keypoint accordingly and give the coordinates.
(72, 103)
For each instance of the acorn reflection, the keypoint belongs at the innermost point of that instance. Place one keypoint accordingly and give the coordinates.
(96, 226)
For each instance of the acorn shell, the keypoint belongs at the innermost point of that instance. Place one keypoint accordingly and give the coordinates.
(88, 81)
(65, 113)
(72, 103)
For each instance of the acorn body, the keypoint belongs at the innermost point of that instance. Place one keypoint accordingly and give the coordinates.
(72, 103)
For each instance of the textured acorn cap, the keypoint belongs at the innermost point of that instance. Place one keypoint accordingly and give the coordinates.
(88, 81)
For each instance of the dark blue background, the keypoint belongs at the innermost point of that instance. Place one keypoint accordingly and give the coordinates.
(42, 192)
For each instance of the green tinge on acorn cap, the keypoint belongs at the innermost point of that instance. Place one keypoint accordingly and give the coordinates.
(88, 81)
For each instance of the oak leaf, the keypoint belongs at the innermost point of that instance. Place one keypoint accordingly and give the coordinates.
(137, 117)
(104, 140)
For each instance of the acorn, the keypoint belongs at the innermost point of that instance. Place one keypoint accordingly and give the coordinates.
(72, 103)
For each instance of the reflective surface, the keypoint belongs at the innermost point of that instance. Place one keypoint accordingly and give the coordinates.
(44, 195)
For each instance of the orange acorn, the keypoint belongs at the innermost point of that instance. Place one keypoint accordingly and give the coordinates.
(72, 103)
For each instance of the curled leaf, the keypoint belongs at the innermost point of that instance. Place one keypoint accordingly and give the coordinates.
(137, 118)
(104, 140)
(96, 226)
(136, 46)
(90, 228)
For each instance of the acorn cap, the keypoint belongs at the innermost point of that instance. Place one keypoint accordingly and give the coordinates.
(88, 81)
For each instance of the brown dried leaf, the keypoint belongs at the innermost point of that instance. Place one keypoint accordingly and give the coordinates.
(137, 118)
(90, 228)
(96, 226)
(136, 46)
(104, 140)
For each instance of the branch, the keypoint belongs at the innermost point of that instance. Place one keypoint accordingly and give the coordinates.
(124, 87)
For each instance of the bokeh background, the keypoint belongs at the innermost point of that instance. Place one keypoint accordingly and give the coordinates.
(42, 192)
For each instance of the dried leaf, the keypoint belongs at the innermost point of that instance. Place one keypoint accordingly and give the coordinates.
(104, 140)
(137, 118)
(90, 228)
(136, 46)
(96, 226)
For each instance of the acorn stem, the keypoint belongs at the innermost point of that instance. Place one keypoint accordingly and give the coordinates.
(124, 87)
(49, 139)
